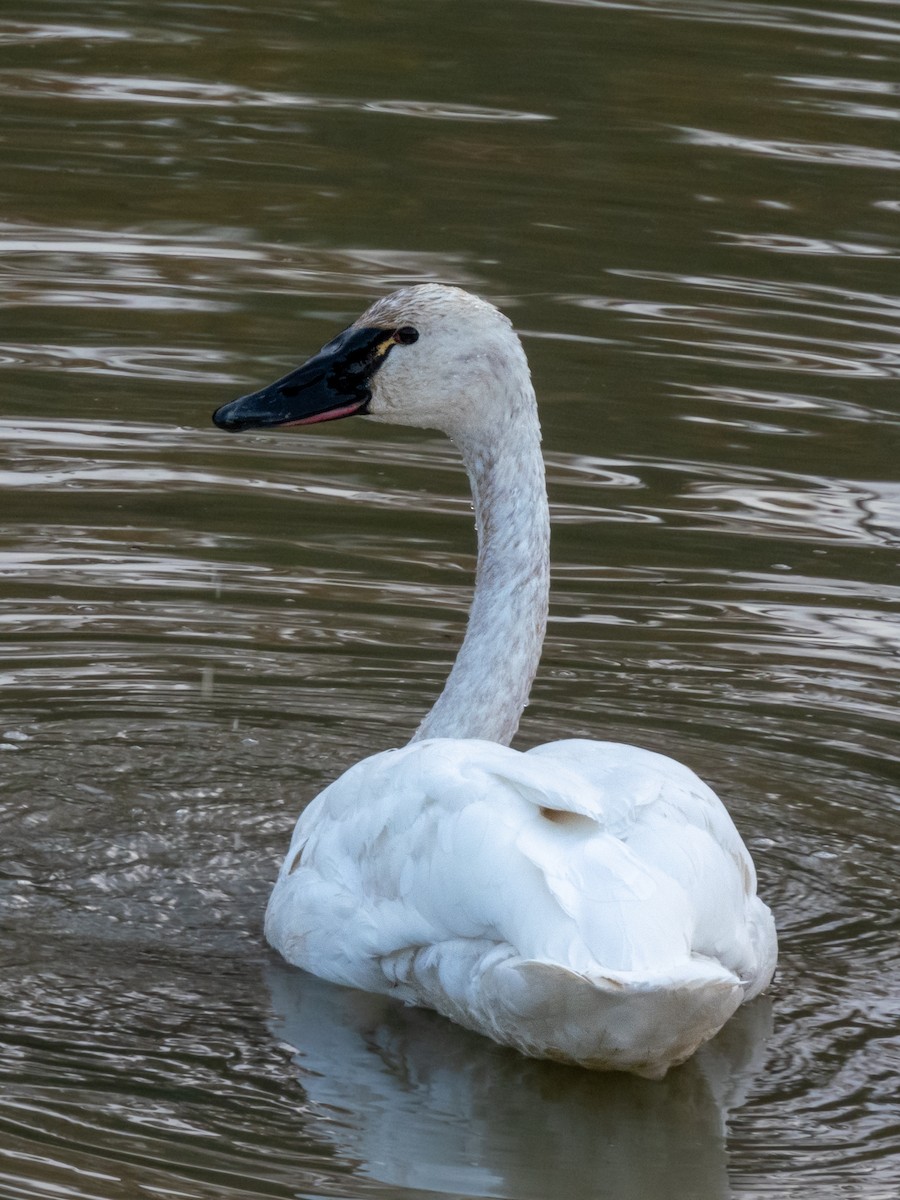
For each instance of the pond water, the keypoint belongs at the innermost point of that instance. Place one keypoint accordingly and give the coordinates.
(691, 211)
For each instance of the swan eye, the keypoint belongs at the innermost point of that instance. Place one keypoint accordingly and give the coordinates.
(406, 335)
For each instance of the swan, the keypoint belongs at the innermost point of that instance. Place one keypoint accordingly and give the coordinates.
(582, 901)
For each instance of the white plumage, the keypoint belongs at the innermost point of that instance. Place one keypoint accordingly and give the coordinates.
(585, 901)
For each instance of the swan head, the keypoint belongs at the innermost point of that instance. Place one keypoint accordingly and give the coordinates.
(431, 356)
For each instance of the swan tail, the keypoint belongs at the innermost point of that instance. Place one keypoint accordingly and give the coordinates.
(609, 1021)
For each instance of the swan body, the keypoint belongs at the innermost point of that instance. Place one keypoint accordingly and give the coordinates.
(583, 901)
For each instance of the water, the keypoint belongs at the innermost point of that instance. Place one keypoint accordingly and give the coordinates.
(691, 212)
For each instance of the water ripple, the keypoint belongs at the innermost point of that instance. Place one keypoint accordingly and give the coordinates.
(22, 33)
(199, 632)
(783, 243)
(818, 85)
(769, 324)
(161, 362)
(193, 93)
(795, 18)
(837, 154)
(192, 270)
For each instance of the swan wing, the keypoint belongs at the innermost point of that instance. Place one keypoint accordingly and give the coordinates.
(587, 858)
(672, 821)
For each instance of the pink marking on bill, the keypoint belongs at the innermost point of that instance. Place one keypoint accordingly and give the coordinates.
(332, 414)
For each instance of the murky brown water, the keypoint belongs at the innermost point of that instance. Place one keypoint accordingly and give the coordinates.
(692, 212)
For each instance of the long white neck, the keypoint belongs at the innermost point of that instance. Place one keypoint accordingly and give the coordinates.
(492, 676)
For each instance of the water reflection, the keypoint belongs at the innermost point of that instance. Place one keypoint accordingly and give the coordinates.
(796, 17)
(690, 206)
(26, 33)
(188, 269)
(766, 323)
(418, 1103)
(823, 509)
(143, 90)
(834, 153)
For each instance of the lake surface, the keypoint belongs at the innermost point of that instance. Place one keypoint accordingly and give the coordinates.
(691, 211)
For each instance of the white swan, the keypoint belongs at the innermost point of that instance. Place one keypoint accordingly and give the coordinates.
(585, 901)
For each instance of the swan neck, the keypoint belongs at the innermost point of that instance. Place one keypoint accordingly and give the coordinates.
(491, 678)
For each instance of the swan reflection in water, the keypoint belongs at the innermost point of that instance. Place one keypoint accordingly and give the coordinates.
(416, 1102)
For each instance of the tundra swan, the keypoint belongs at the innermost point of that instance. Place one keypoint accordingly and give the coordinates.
(583, 901)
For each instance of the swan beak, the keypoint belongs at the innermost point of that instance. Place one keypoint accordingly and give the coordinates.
(332, 384)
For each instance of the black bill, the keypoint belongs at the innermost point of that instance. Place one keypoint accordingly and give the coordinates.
(332, 384)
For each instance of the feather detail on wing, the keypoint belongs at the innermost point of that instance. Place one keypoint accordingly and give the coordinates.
(578, 869)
